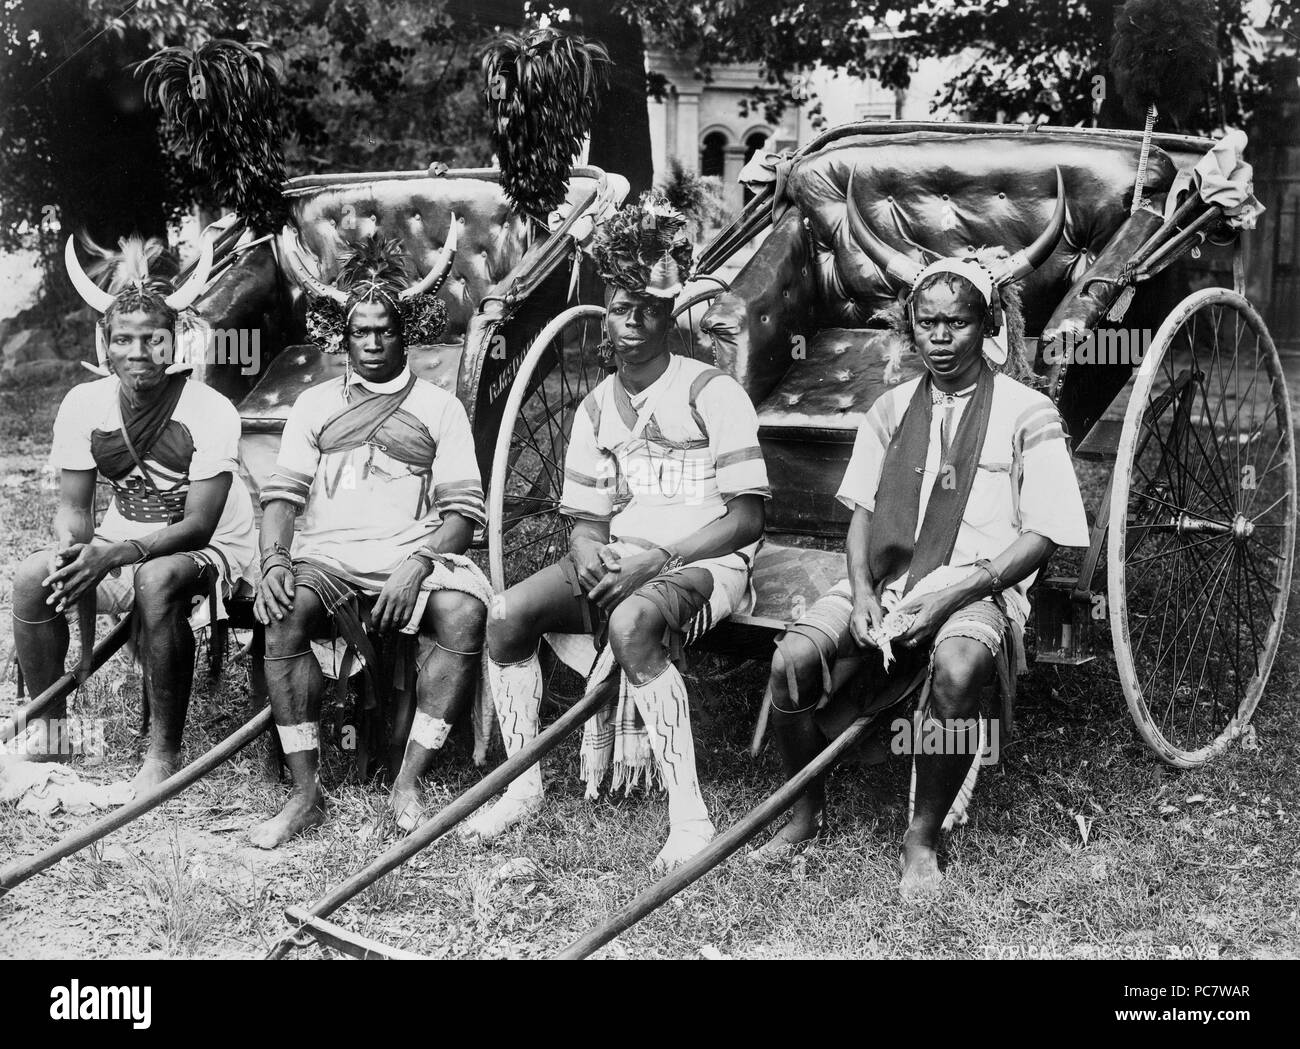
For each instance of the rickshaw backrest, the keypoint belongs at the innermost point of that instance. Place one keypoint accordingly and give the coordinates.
(334, 212)
(945, 192)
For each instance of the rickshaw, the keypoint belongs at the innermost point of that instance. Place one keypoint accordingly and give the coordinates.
(1189, 422)
(1197, 515)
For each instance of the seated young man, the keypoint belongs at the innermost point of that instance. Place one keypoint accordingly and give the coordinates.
(381, 466)
(961, 487)
(665, 484)
(180, 519)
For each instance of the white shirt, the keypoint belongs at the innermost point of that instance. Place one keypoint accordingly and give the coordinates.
(1025, 481)
(213, 425)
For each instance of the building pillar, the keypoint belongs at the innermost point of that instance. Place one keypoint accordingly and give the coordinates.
(687, 146)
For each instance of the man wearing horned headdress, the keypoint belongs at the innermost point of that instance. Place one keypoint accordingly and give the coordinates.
(961, 487)
(380, 466)
(180, 524)
(665, 485)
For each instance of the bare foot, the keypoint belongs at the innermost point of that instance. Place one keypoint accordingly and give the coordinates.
(301, 812)
(684, 842)
(485, 825)
(404, 803)
(154, 770)
(921, 879)
(798, 831)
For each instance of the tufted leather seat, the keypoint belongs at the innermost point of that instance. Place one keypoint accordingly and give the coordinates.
(332, 213)
(810, 285)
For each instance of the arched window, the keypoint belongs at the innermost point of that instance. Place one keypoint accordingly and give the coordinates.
(756, 141)
(712, 153)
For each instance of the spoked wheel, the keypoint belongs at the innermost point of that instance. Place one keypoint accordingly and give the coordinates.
(687, 317)
(1202, 527)
(525, 530)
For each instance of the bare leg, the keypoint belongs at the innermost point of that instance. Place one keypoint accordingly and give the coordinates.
(961, 668)
(444, 687)
(798, 739)
(41, 642)
(541, 603)
(295, 684)
(163, 590)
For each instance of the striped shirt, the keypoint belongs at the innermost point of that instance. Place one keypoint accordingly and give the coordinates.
(1025, 481)
(365, 511)
(213, 426)
(656, 467)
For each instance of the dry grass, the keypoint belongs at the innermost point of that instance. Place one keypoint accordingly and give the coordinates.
(1202, 863)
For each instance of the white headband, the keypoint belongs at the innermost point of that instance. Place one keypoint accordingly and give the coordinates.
(995, 346)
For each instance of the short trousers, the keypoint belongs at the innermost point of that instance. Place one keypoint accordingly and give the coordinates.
(826, 625)
(693, 599)
(115, 594)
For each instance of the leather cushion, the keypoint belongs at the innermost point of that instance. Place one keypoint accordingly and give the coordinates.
(826, 396)
(945, 192)
(335, 216)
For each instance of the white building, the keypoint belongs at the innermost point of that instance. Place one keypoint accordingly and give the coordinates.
(701, 124)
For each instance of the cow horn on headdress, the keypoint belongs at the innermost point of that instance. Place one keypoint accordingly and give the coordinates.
(904, 270)
(131, 286)
(376, 270)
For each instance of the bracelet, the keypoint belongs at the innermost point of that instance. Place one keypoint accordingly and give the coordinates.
(139, 549)
(275, 559)
(423, 558)
(987, 565)
(673, 563)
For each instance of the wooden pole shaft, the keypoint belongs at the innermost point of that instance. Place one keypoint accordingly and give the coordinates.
(718, 850)
(66, 684)
(20, 870)
(438, 825)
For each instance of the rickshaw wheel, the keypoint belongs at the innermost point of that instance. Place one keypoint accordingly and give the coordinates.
(1202, 527)
(525, 530)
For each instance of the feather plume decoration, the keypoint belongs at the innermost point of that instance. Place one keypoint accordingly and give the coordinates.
(542, 92)
(635, 239)
(1164, 54)
(376, 270)
(137, 261)
(222, 108)
(376, 260)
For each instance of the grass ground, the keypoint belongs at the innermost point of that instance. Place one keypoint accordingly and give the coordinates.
(1080, 844)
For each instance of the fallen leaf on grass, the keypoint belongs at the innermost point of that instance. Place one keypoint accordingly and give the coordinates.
(1196, 799)
(519, 869)
(1085, 826)
(711, 953)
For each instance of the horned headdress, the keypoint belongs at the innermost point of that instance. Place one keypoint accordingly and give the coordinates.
(994, 273)
(644, 248)
(134, 281)
(375, 271)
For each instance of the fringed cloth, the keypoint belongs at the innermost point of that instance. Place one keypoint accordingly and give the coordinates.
(616, 735)
(349, 650)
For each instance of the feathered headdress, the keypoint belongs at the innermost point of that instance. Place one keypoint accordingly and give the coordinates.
(141, 276)
(644, 247)
(375, 271)
(222, 108)
(542, 91)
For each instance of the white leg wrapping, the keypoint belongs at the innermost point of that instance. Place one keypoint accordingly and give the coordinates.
(663, 707)
(429, 732)
(296, 738)
(517, 696)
